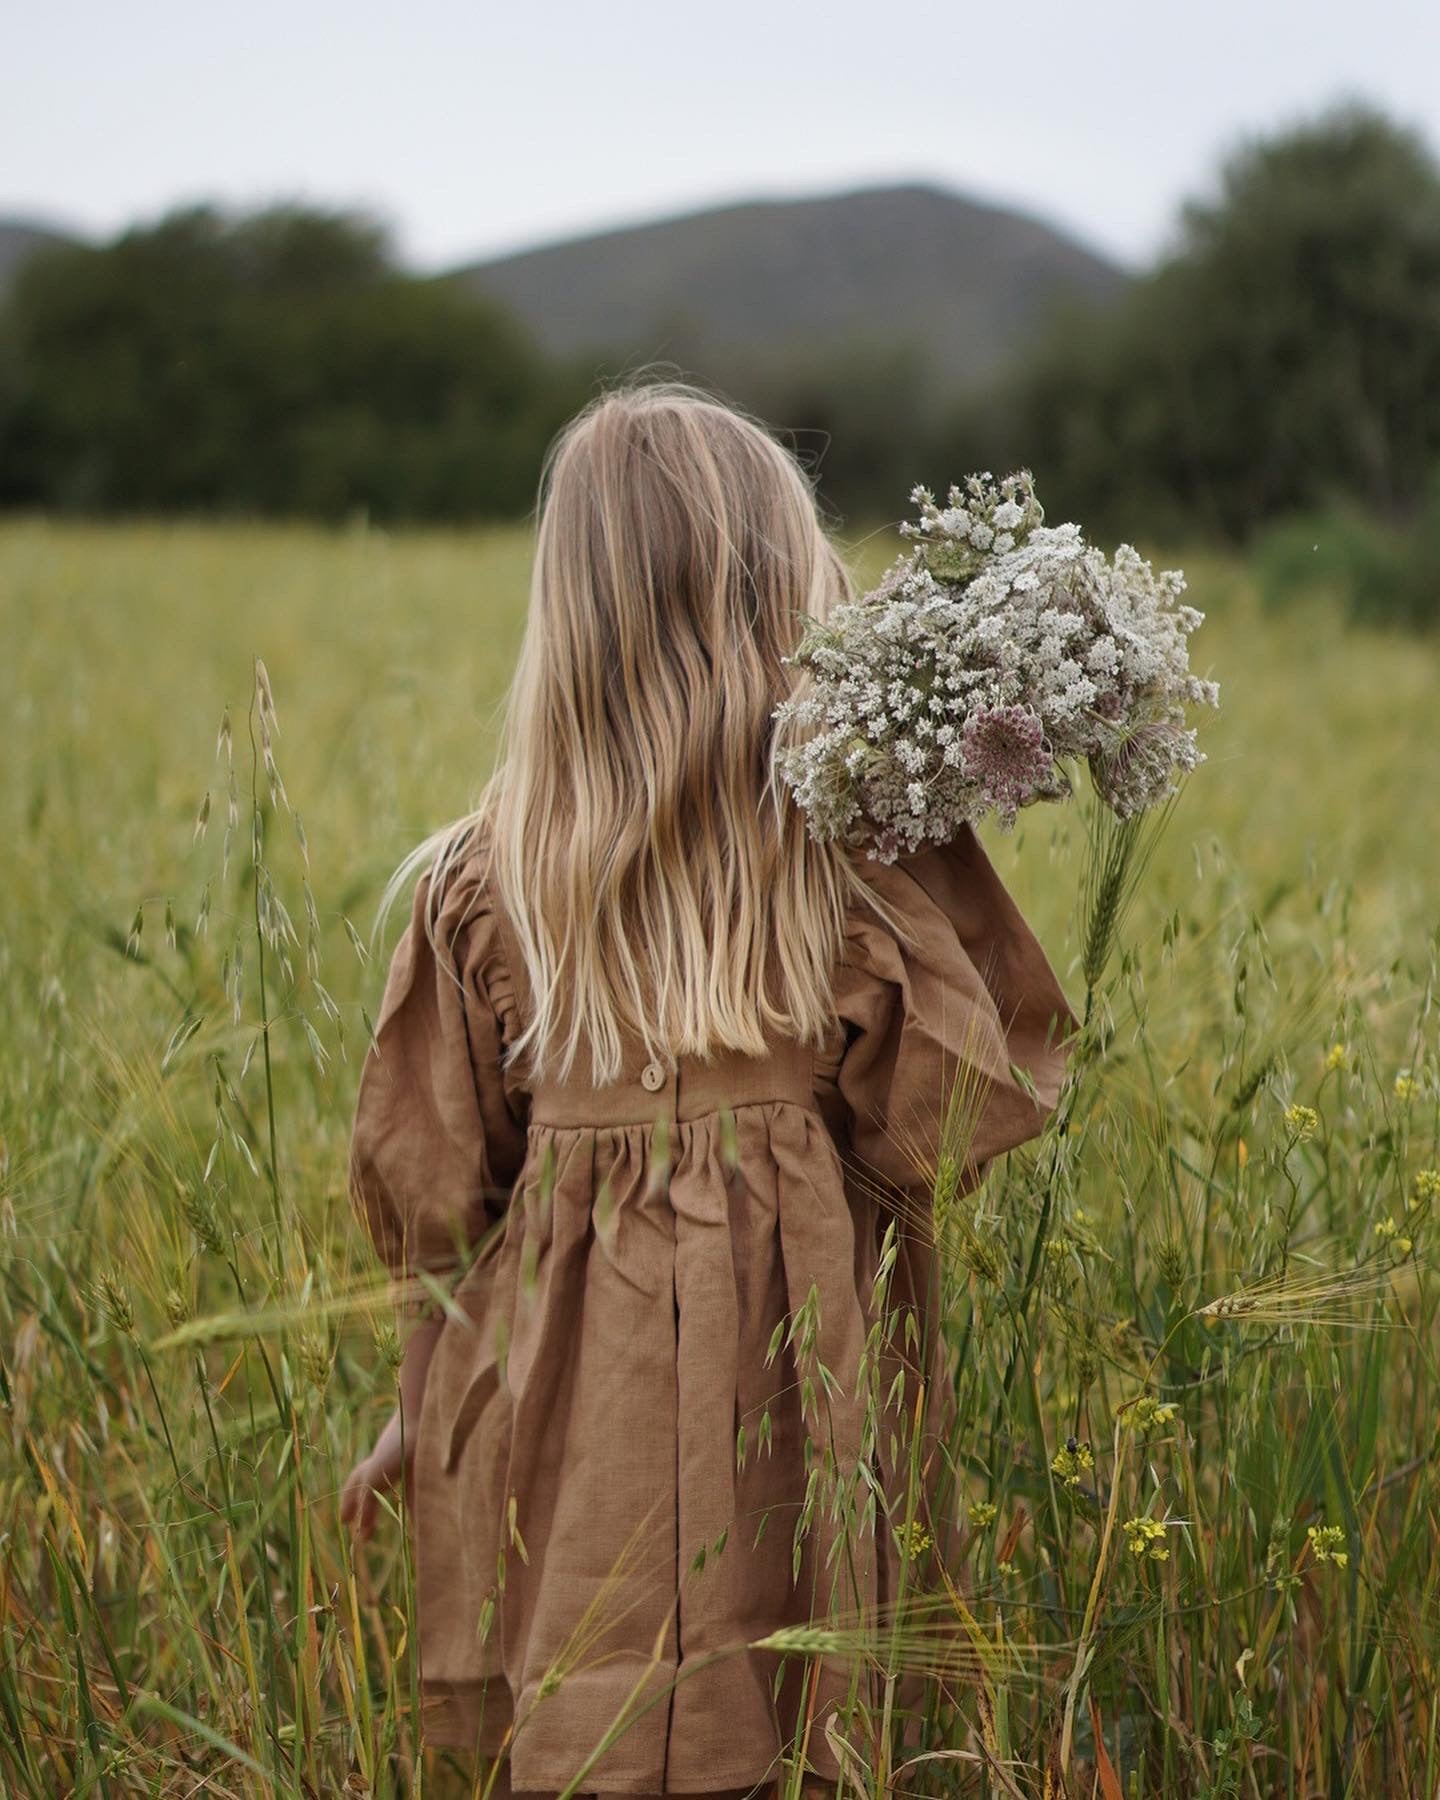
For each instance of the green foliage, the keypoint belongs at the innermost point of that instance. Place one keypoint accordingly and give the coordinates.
(859, 420)
(1384, 575)
(1286, 351)
(1283, 356)
(269, 364)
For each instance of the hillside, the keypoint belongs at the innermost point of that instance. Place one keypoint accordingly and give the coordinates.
(736, 291)
(743, 286)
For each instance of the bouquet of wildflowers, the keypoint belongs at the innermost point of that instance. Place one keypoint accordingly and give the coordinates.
(989, 657)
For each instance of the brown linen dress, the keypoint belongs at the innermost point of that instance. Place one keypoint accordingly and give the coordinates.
(592, 1542)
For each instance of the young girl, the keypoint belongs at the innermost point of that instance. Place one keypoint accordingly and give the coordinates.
(655, 1070)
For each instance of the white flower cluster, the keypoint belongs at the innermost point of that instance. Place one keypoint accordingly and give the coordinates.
(993, 653)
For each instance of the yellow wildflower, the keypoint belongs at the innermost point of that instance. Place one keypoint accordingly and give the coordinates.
(1390, 1233)
(1072, 1462)
(1301, 1122)
(1336, 1056)
(916, 1541)
(1406, 1088)
(1146, 1537)
(1149, 1411)
(1325, 1544)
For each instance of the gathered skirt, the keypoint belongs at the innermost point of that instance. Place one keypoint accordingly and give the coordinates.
(626, 1475)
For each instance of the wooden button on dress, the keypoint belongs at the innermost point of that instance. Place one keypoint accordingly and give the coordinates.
(652, 1077)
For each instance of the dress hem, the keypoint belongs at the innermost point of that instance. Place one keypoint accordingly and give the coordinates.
(456, 1716)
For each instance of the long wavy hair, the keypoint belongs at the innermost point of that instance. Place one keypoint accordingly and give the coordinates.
(660, 879)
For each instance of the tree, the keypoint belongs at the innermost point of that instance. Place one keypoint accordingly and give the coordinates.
(1285, 353)
(275, 363)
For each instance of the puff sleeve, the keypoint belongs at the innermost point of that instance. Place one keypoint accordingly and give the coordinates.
(439, 1129)
(971, 994)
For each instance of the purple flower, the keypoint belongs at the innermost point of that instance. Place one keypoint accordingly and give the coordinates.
(1005, 754)
(1111, 704)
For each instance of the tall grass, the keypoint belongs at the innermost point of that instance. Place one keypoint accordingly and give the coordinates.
(1189, 1501)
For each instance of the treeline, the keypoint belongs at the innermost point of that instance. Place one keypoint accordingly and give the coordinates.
(1283, 356)
(1277, 374)
(275, 364)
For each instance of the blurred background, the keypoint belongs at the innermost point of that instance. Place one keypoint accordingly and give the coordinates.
(338, 263)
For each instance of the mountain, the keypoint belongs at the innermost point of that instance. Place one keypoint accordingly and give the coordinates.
(741, 287)
(20, 239)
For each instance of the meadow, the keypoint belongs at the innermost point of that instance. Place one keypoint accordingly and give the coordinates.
(1197, 1353)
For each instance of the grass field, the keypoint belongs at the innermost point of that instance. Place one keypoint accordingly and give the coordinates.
(186, 1376)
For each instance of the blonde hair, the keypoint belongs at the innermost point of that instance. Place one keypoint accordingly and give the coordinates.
(659, 878)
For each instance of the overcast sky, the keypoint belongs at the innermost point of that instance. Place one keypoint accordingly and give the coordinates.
(475, 128)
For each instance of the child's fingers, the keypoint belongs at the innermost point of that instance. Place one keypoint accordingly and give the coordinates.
(353, 1498)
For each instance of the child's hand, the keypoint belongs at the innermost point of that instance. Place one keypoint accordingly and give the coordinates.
(379, 1472)
(374, 1475)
